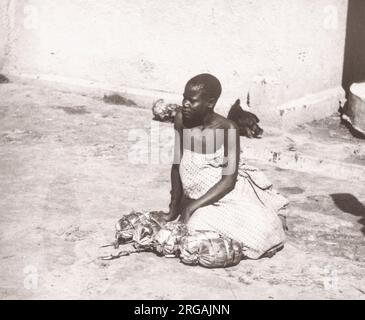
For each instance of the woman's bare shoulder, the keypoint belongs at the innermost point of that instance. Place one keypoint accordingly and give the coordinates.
(224, 123)
(178, 123)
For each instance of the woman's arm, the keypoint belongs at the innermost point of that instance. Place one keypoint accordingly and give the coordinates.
(228, 180)
(176, 187)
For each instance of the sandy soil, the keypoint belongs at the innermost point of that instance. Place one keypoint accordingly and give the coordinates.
(66, 179)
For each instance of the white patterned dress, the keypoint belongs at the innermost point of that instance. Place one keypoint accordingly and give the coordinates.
(247, 214)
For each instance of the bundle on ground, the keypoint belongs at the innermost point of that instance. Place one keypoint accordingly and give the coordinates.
(144, 234)
(211, 250)
(148, 232)
(127, 225)
(167, 240)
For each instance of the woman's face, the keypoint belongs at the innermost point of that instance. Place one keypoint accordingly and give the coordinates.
(194, 106)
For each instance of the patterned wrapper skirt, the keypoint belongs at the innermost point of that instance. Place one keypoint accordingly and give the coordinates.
(248, 214)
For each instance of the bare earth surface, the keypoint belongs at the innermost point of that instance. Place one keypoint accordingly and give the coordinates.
(65, 179)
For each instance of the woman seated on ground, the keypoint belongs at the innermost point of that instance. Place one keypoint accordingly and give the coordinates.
(210, 190)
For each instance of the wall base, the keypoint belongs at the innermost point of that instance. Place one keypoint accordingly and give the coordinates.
(306, 109)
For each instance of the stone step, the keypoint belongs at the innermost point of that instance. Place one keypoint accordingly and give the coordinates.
(337, 160)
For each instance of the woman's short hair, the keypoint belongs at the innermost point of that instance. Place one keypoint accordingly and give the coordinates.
(208, 83)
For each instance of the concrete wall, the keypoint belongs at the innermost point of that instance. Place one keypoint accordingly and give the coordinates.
(280, 51)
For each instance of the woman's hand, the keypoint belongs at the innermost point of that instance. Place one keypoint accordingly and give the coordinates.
(174, 211)
(161, 217)
(187, 208)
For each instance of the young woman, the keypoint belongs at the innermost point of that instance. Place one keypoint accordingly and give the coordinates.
(210, 189)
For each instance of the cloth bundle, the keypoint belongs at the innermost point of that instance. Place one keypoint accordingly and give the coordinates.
(144, 234)
(211, 250)
(148, 233)
(164, 112)
(126, 228)
(167, 240)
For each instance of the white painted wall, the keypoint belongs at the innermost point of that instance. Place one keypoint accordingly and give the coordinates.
(279, 50)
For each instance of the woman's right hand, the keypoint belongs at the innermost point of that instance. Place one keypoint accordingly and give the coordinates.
(187, 208)
(174, 209)
(162, 217)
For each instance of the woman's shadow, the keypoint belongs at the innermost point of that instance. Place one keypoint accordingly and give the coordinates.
(350, 204)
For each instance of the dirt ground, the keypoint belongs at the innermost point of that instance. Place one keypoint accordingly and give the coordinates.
(66, 178)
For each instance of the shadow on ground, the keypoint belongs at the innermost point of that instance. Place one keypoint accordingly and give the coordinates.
(350, 204)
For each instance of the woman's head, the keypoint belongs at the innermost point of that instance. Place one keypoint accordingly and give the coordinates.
(200, 97)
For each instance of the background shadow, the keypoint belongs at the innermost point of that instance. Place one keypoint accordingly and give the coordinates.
(350, 204)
